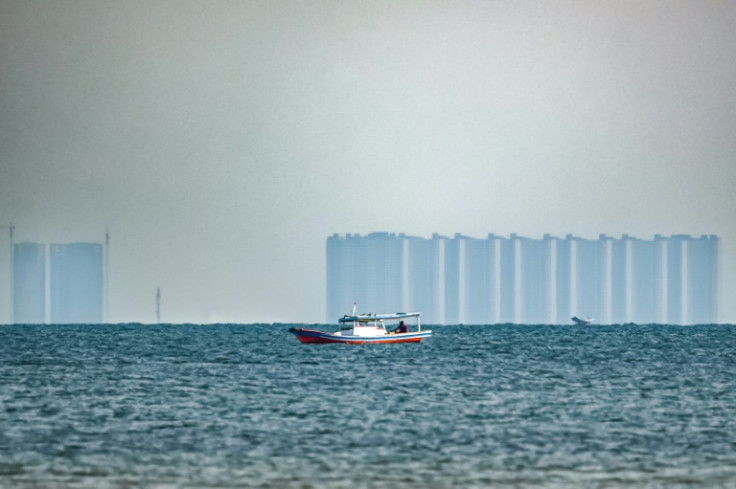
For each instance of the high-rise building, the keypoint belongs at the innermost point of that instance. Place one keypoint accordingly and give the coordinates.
(76, 283)
(341, 275)
(591, 277)
(563, 279)
(423, 282)
(676, 269)
(535, 275)
(384, 286)
(618, 286)
(493, 251)
(479, 270)
(508, 279)
(29, 283)
(702, 279)
(647, 281)
(452, 259)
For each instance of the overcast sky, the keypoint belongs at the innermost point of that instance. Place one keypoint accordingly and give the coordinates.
(221, 142)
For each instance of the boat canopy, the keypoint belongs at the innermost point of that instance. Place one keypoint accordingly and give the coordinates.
(366, 318)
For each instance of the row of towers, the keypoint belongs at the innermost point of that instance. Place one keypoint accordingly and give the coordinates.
(461, 279)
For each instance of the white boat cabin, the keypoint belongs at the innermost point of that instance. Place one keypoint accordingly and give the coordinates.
(376, 324)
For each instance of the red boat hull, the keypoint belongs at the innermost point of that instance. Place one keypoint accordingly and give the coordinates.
(311, 336)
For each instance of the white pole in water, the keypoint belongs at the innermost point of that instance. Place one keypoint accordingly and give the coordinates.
(158, 305)
(11, 292)
(106, 310)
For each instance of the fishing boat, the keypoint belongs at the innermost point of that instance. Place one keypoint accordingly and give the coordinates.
(369, 328)
(582, 321)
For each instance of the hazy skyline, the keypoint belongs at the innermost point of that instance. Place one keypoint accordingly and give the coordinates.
(221, 143)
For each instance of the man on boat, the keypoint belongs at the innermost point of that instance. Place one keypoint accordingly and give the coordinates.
(401, 328)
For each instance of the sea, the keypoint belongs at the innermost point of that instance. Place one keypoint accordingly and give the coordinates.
(248, 406)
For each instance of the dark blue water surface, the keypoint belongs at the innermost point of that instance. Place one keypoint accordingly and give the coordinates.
(474, 406)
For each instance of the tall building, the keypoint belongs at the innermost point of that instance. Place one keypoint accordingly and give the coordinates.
(76, 283)
(676, 269)
(479, 270)
(384, 282)
(702, 280)
(591, 277)
(341, 275)
(29, 283)
(493, 251)
(452, 259)
(647, 281)
(563, 279)
(423, 282)
(535, 275)
(507, 279)
(618, 281)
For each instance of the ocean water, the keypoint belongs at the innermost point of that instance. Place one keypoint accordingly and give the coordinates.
(200, 406)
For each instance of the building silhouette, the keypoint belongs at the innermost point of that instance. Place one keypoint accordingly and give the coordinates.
(676, 289)
(479, 281)
(423, 277)
(76, 287)
(536, 265)
(702, 279)
(507, 279)
(452, 251)
(461, 279)
(29, 283)
(563, 279)
(590, 279)
(618, 288)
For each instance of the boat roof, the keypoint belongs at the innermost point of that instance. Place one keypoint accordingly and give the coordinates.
(364, 318)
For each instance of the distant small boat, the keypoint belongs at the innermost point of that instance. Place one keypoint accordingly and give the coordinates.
(368, 328)
(580, 321)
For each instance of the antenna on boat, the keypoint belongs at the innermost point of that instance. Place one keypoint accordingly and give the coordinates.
(355, 307)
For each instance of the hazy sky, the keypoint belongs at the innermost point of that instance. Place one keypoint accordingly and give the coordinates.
(221, 142)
